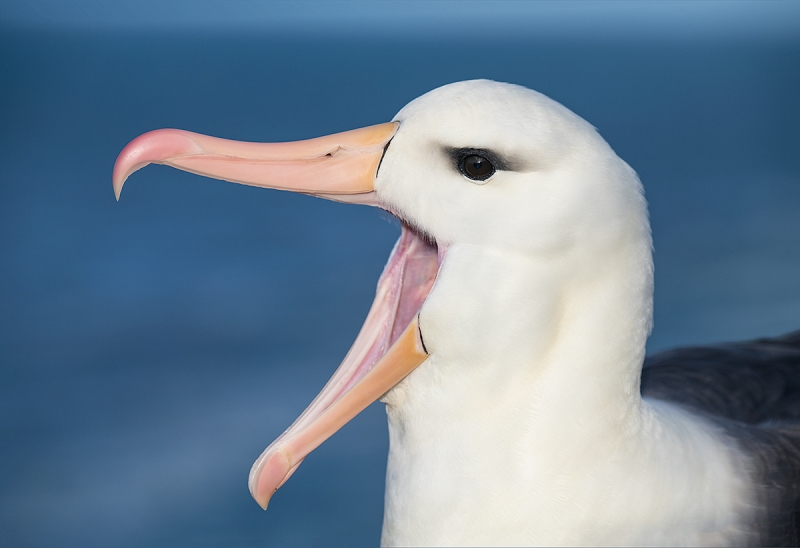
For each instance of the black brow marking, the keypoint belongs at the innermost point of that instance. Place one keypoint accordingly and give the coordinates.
(500, 163)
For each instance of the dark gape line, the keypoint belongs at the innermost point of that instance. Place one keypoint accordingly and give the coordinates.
(421, 338)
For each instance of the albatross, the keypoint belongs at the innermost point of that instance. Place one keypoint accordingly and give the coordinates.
(507, 338)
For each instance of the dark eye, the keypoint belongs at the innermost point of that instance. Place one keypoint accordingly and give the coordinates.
(476, 167)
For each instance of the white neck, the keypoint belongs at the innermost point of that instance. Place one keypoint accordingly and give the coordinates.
(529, 428)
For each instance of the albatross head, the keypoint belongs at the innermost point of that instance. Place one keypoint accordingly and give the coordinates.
(555, 197)
(514, 211)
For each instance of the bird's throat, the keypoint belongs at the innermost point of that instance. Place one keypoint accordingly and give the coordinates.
(492, 425)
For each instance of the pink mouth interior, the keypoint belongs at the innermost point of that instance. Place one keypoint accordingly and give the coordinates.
(404, 285)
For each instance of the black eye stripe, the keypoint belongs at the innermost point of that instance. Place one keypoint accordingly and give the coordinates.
(460, 153)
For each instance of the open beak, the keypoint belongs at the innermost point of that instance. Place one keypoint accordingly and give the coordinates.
(340, 167)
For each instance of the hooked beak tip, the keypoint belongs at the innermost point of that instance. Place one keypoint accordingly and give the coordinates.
(118, 179)
(152, 147)
(268, 474)
(123, 168)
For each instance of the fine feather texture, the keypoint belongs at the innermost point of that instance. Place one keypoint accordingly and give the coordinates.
(752, 391)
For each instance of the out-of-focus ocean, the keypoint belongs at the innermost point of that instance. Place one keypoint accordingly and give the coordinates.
(150, 349)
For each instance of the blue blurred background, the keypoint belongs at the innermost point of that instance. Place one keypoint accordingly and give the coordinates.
(152, 348)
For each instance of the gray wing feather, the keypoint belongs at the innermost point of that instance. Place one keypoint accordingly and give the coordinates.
(749, 382)
(752, 390)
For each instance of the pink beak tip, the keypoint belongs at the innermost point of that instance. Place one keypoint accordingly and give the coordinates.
(118, 188)
(123, 168)
(261, 495)
(269, 476)
(152, 147)
(119, 177)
